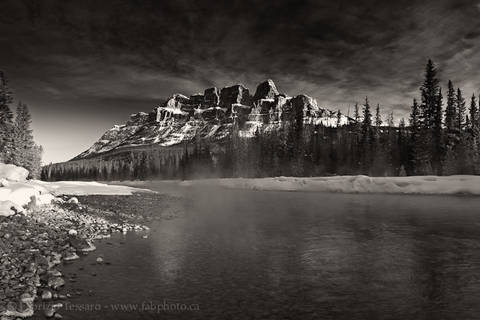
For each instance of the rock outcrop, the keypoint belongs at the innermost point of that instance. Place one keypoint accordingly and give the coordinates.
(266, 90)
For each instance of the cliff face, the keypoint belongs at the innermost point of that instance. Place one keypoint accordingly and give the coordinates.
(209, 117)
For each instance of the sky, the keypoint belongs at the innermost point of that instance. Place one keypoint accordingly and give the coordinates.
(83, 66)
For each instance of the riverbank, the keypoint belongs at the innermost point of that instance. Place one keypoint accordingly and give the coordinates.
(427, 185)
(35, 244)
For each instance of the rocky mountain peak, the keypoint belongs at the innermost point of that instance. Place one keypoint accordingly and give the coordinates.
(211, 115)
(266, 90)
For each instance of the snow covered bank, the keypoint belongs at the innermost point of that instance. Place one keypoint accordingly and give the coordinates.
(12, 172)
(84, 188)
(16, 192)
(354, 184)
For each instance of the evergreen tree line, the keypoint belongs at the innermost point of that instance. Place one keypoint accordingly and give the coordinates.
(16, 136)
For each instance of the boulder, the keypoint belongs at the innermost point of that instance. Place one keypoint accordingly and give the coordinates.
(12, 172)
(55, 282)
(72, 200)
(236, 94)
(46, 295)
(266, 90)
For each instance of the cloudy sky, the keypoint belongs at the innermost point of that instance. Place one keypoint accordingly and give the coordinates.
(83, 66)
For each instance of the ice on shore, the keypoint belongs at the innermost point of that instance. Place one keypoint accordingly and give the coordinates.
(459, 184)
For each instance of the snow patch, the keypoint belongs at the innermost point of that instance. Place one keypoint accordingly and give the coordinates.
(12, 172)
(82, 188)
(355, 184)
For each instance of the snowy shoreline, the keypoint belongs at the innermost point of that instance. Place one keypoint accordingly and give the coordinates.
(421, 185)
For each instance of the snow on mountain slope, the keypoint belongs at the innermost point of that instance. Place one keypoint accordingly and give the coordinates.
(211, 115)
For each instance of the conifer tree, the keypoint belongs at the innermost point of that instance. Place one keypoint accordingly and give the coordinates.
(378, 117)
(414, 123)
(450, 110)
(339, 118)
(367, 118)
(460, 109)
(23, 153)
(473, 112)
(367, 137)
(356, 113)
(6, 120)
(437, 144)
(430, 90)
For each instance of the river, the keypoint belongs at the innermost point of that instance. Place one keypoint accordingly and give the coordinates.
(238, 254)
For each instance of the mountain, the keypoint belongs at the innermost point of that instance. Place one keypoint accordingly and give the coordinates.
(209, 117)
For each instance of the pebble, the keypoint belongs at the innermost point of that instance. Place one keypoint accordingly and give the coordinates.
(72, 200)
(56, 282)
(46, 295)
(32, 245)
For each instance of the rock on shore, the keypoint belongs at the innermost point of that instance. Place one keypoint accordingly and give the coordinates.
(38, 232)
(33, 244)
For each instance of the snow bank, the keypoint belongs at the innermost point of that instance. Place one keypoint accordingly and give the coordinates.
(82, 188)
(16, 193)
(12, 172)
(355, 184)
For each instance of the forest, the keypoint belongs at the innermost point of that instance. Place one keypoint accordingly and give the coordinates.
(17, 145)
(440, 137)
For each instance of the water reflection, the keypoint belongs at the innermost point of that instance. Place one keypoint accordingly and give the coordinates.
(271, 255)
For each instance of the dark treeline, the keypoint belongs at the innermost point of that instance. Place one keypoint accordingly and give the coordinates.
(16, 136)
(440, 139)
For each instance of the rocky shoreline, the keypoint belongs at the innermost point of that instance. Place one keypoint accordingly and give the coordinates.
(34, 244)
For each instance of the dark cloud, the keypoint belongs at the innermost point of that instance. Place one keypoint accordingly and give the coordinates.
(91, 63)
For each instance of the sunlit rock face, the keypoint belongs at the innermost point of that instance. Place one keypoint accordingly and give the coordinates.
(237, 94)
(211, 115)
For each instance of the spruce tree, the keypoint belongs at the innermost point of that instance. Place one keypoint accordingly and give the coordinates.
(367, 137)
(473, 112)
(460, 109)
(450, 110)
(413, 146)
(356, 114)
(437, 146)
(339, 118)
(378, 117)
(6, 120)
(430, 90)
(23, 153)
(367, 118)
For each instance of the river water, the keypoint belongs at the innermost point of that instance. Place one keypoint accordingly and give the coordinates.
(237, 254)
